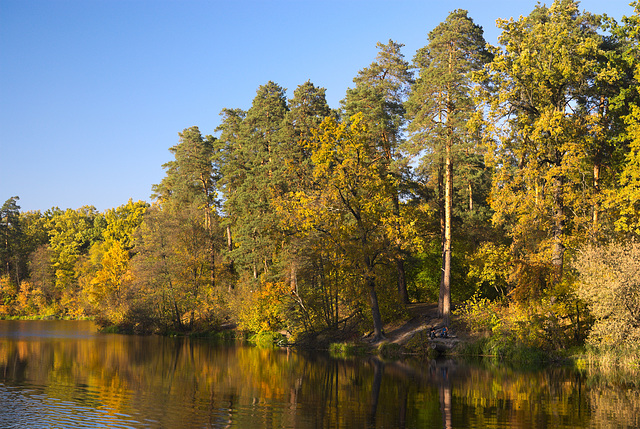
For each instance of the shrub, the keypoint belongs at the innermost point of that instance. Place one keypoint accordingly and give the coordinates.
(262, 306)
(609, 279)
(267, 339)
(390, 350)
(480, 314)
(344, 350)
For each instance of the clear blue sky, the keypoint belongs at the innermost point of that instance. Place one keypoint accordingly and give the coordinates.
(94, 92)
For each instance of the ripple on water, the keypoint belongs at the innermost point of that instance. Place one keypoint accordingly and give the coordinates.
(23, 408)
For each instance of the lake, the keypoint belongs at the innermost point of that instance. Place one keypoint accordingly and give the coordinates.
(64, 374)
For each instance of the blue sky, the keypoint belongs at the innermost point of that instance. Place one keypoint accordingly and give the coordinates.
(94, 92)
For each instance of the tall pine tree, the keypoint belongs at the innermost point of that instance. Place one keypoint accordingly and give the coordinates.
(191, 183)
(440, 107)
(380, 92)
(254, 171)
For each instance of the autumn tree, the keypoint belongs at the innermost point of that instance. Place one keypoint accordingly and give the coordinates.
(104, 273)
(307, 109)
(440, 107)
(156, 290)
(71, 235)
(623, 200)
(349, 205)
(609, 277)
(547, 64)
(380, 92)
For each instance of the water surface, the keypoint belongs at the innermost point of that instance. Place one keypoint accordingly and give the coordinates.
(63, 374)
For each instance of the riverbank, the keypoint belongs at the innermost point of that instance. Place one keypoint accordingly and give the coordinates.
(411, 337)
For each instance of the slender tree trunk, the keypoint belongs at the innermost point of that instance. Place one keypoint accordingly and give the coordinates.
(445, 283)
(209, 226)
(231, 265)
(448, 202)
(441, 209)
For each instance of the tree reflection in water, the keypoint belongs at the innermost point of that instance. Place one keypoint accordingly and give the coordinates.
(172, 382)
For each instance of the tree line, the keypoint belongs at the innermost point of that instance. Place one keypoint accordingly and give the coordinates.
(474, 175)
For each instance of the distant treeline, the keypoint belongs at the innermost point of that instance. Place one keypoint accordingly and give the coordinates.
(504, 180)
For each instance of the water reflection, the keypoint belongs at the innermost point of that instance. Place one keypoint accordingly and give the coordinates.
(66, 374)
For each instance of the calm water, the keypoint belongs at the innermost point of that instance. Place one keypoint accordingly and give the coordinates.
(61, 374)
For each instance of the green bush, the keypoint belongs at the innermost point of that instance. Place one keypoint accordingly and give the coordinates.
(345, 350)
(267, 339)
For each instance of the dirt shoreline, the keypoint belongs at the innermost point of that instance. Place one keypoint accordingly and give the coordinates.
(415, 332)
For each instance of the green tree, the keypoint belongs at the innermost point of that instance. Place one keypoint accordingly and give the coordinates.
(254, 172)
(380, 92)
(71, 234)
(231, 168)
(307, 109)
(10, 240)
(192, 181)
(440, 107)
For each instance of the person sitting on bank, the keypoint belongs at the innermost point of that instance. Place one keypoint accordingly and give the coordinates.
(445, 332)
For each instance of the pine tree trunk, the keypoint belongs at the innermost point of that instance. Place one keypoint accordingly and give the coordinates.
(445, 284)
(448, 203)
(441, 209)
(212, 254)
(230, 249)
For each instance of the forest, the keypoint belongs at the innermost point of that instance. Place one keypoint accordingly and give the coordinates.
(502, 182)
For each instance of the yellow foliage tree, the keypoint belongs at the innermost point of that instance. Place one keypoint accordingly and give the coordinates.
(543, 118)
(627, 197)
(349, 205)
